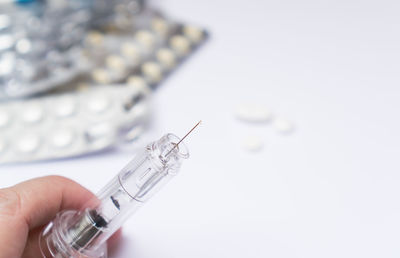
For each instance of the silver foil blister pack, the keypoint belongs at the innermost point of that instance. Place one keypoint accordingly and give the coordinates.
(40, 41)
(95, 93)
(70, 124)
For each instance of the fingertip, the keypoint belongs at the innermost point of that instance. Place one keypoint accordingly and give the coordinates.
(41, 198)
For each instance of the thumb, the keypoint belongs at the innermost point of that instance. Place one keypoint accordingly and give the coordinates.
(32, 204)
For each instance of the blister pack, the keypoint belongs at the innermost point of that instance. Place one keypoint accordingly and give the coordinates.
(102, 103)
(41, 50)
(41, 41)
(71, 124)
(154, 47)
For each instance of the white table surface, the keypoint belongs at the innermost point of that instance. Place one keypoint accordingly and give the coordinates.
(331, 189)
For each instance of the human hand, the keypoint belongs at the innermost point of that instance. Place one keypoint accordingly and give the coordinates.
(29, 206)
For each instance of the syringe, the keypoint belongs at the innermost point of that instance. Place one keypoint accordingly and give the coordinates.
(84, 233)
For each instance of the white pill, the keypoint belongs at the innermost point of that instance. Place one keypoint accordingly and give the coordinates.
(145, 38)
(166, 57)
(139, 83)
(253, 113)
(160, 26)
(23, 46)
(7, 62)
(152, 71)
(5, 21)
(62, 138)
(180, 45)
(32, 114)
(98, 104)
(195, 34)
(131, 51)
(100, 135)
(6, 41)
(115, 62)
(283, 126)
(4, 118)
(65, 107)
(28, 143)
(253, 143)
(94, 38)
(101, 76)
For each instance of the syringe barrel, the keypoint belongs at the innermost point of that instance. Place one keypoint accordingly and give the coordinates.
(125, 193)
(138, 181)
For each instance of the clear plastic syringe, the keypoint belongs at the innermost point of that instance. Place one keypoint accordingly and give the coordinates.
(84, 233)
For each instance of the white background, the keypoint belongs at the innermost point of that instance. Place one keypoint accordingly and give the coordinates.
(331, 189)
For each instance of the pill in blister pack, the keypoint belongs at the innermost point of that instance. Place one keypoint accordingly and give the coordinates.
(152, 50)
(73, 122)
(107, 53)
(40, 41)
(117, 59)
(100, 99)
(167, 56)
(70, 124)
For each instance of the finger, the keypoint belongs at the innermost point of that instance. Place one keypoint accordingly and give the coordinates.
(12, 232)
(68, 202)
(42, 198)
(32, 248)
(34, 203)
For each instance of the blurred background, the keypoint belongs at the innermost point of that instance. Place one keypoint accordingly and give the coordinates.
(328, 187)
